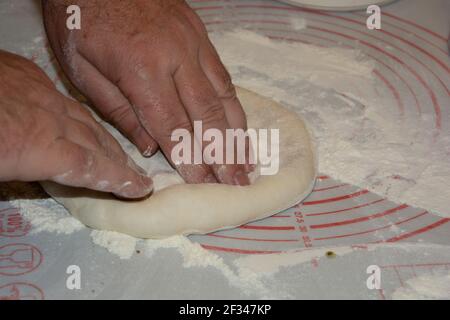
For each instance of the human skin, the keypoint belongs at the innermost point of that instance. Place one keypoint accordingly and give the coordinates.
(47, 136)
(149, 68)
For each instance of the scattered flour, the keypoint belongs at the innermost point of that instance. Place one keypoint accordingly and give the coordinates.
(271, 264)
(298, 23)
(195, 256)
(116, 243)
(363, 137)
(427, 287)
(251, 274)
(46, 215)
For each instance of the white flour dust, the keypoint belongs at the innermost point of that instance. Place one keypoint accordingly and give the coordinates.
(195, 256)
(252, 274)
(116, 243)
(271, 264)
(46, 215)
(361, 136)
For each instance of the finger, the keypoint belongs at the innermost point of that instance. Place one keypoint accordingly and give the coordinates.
(112, 104)
(217, 74)
(222, 84)
(160, 111)
(77, 166)
(221, 81)
(202, 104)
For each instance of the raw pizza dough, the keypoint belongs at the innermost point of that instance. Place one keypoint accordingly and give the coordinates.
(177, 208)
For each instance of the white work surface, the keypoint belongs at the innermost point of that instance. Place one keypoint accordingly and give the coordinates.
(33, 265)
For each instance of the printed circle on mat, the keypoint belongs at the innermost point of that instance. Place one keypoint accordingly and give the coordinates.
(12, 224)
(343, 5)
(18, 259)
(21, 291)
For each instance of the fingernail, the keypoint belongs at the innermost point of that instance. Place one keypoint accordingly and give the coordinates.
(210, 178)
(148, 152)
(126, 190)
(137, 190)
(241, 178)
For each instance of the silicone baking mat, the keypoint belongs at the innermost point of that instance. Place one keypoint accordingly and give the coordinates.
(413, 65)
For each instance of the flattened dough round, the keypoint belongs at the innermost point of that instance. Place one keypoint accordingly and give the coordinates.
(178, 208)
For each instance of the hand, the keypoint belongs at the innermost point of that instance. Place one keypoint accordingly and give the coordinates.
(149, 68)
(46, 136)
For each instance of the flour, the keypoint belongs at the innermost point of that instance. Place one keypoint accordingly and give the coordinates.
(298, 23)
(46, 215)
(43, 213)
(271, 264)
(116, 243)
(363, 138)
(252, 274)
(255, 275)
(427, 287)
(194, 255)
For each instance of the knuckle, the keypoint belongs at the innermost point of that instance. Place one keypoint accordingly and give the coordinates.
(173, 124)
(166, 123)
(227, 89)
(92, 138)
(132, 66)
(87, 163)
(118, 115)
(213, 112)
(156, 118)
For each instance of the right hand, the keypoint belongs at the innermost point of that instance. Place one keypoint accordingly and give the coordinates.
(149, 68)
(47, 136)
